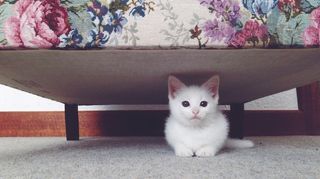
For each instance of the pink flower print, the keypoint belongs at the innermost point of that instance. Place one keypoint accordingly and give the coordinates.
(311, 36)
(315, 18)
(36, 24)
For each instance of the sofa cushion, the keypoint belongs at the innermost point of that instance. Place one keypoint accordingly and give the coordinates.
(71, 24)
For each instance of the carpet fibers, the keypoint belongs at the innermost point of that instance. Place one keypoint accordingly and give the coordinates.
(150, 157)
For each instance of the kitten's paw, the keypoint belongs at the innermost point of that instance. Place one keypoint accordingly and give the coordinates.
(184, 152)
(205, 152)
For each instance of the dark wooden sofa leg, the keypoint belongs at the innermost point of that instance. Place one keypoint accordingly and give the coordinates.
(309, 104)
(236, 119)
(72, 121)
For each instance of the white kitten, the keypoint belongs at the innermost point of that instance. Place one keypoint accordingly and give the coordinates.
(196, 126)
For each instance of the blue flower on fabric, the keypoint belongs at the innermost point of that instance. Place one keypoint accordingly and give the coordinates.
(97, 11)
(97, 39)
(72, 40)
(138, 11)
(114, 22)
(124, 2)
(259, 7)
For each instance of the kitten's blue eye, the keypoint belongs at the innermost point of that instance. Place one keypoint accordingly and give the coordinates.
(185, 103)
(203, 103)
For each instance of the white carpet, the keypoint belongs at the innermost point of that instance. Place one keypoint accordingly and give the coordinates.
(43, 158)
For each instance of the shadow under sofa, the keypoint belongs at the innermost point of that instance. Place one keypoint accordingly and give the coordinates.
(119, 76)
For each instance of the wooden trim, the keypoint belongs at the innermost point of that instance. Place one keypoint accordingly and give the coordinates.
(13, 124)
(274, 123)
(309, 104)
(138, 123)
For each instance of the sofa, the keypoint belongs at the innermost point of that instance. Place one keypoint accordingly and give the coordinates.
(89, 52)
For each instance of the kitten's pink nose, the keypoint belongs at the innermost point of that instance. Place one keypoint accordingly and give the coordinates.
(195, 111)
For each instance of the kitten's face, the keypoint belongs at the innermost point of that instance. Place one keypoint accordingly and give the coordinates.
(193, 104)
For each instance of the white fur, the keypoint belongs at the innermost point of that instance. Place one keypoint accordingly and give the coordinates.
(201, 136)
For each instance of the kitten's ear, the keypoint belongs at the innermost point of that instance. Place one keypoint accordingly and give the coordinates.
(174, 84)
(212, 85)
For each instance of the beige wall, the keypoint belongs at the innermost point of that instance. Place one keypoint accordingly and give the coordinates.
(15, 100)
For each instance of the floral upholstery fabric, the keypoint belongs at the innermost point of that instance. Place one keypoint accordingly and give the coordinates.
(85, 24)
